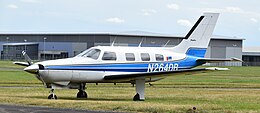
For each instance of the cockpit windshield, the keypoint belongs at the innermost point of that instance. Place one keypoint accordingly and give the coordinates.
(92, 53)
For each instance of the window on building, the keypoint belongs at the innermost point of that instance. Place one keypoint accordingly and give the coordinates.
(64, 55)
(18, 48)
(159, 57)
(130, 56)
(94, 54)
(109, 56)
(18, 55)
(145, 57)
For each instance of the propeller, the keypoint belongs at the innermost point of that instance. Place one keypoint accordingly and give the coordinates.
(27, 58)
(31, 68)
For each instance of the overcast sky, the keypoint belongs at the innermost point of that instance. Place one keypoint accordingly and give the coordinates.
(240, 18)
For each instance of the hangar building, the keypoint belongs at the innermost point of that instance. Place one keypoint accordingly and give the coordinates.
(251, 56)
(40, 46)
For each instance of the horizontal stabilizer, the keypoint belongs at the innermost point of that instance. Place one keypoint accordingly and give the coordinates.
(216, 60)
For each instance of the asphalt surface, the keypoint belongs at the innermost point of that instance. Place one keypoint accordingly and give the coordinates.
(38, 109)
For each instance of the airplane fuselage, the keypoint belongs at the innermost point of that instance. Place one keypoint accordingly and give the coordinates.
(123, 60)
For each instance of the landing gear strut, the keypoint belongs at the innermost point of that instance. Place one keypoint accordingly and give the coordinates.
(52, 95)
(82, 93)
(140, 86)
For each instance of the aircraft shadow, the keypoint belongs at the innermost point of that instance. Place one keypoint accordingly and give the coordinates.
(91, 99)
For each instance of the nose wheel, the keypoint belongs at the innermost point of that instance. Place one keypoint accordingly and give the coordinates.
(52, 95)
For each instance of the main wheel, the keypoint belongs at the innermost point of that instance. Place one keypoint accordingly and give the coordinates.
(52, 96)
(136, 97)
(82, 94)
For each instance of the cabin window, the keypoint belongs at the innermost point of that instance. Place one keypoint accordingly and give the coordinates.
(109, 56)
(145, 57)
(159, 57)
(94, 54)
(130, 56)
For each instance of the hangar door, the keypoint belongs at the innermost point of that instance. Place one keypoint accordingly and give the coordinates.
(218, 52)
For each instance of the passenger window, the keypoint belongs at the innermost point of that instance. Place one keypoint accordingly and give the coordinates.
(130, 56)
(109, 56)
(159, 57)
(145, 57)
(94, 54)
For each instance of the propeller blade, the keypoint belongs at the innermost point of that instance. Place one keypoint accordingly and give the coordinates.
(27, 58)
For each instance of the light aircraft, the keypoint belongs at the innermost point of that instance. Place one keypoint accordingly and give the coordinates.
(136, 65)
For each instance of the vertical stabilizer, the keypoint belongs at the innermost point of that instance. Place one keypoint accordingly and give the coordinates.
(197, 39)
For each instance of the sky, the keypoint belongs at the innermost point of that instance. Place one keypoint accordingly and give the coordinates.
(238, 18)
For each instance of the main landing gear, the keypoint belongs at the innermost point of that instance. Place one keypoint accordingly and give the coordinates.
(139, 87)
(82, 93)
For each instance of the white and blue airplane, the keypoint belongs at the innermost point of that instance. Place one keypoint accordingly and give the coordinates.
(136, 65)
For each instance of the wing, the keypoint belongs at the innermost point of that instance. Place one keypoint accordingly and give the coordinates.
(156, 74)
(216, 60)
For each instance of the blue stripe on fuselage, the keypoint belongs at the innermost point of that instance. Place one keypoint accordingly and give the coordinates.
(186, 63)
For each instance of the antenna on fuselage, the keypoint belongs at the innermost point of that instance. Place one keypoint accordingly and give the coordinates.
(141, 42)
(166, 43)
(112, 44)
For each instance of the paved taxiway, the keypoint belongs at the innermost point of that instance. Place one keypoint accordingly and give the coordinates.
(37, 109)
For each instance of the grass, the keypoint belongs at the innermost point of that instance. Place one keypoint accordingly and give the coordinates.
(8, 64)
(13, 75)
(237, 90)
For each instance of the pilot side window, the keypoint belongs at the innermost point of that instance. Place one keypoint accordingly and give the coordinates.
(159, 57)
(94, 54)
(109, 56)
(130, 56)
(145, 57)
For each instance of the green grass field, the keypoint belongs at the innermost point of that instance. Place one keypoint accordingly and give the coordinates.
(237, 90)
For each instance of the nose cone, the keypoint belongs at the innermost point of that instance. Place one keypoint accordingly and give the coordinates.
(34, 69)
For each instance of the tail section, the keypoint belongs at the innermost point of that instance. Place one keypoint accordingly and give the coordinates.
(197, 39)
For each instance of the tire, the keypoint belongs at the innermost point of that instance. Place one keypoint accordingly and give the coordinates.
(85, 95)
(52, 97)
(82, 94)
(136, 97)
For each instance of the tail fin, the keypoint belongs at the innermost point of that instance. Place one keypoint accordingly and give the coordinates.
(197, 39)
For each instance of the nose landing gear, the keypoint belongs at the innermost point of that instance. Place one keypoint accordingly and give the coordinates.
(52, 95)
